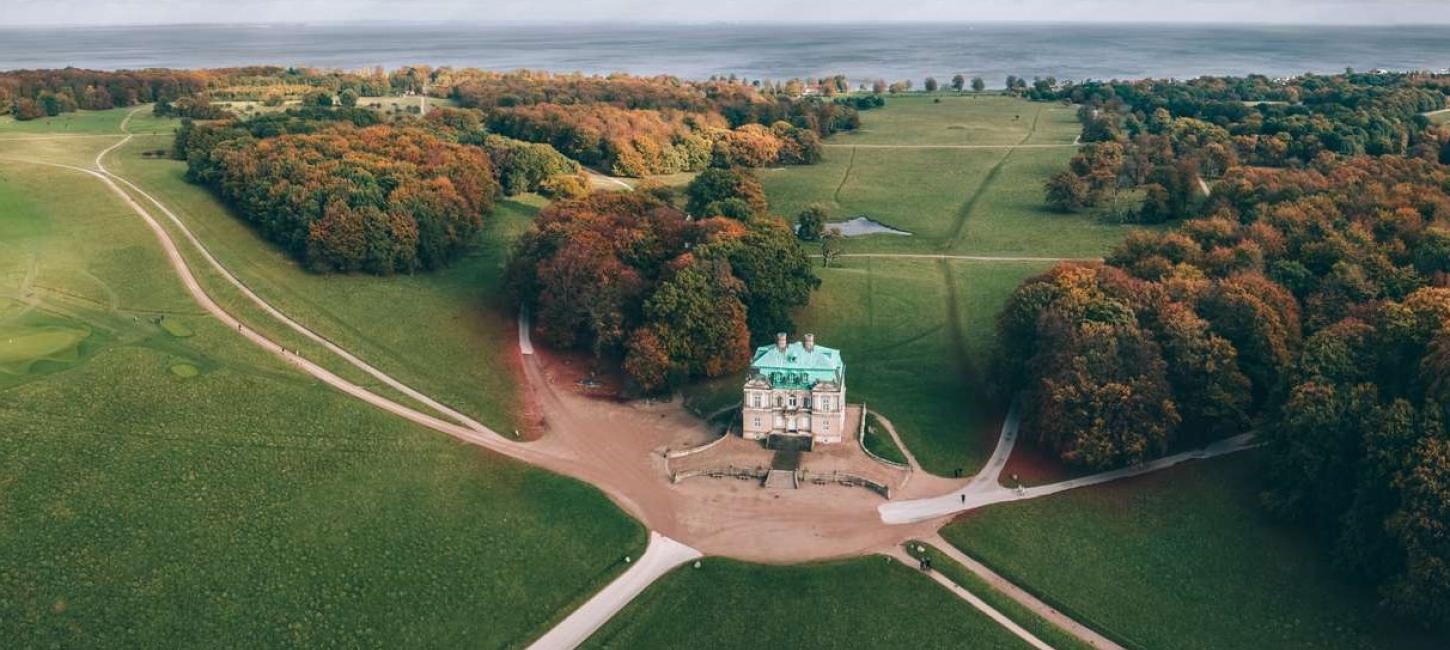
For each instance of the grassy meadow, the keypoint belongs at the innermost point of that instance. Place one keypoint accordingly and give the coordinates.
(910, 167)
(445, 333)
(1184, 558)
(916, 336)
(870, 602)
(165, 483)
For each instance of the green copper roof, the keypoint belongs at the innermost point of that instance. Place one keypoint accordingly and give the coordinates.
(795, 367)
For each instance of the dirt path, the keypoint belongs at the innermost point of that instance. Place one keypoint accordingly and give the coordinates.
(267, 307)
(985, 488)
(845, 177)
(660, 557)
(972, 599)
(1032, 603)
(619, 449)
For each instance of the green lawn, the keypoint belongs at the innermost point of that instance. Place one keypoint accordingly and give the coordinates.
(916, 336)
(447, 333)
(869, 602)
(878, 441)
(1039, 627)
(1183, 558)
(86, 123)
(948, 118)
(239, 503)
(953, 201)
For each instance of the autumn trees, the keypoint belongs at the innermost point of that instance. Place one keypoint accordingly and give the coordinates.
(628, 276)
(341, 197)
(1168, 137)
(1312, 305)
(40, 93)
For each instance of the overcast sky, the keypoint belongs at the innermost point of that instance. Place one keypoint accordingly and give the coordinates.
(103, 12)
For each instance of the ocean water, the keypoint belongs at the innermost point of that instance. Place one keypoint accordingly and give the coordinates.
(862, 52)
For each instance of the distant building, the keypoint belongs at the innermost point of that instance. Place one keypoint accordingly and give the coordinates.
(795, 389)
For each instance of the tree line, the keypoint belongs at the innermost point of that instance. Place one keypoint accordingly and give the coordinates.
(672, 294)
(1308, 302)
(1161, 137)
(341, 192)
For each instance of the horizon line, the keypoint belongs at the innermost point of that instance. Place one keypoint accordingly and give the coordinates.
(443, 22)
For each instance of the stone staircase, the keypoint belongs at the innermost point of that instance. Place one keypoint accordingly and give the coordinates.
(781, 479)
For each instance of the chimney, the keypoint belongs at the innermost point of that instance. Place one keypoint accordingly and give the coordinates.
(810, 343)
(780, 341)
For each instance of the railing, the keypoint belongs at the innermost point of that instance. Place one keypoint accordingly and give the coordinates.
(730, 471)
(695, 450)
(801, 476)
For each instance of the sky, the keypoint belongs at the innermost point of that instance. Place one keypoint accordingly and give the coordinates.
(132, 12)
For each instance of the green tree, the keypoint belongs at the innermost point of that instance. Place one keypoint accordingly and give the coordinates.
(811, 223)
(716, 184)
(958, 82)
(1066, 192)
(978, 85)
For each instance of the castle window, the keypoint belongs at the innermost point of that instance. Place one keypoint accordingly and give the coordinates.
(792, 401)
(808, 401)
(755, 400)
(755, 422)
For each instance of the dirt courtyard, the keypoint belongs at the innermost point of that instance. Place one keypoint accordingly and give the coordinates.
(621, 448)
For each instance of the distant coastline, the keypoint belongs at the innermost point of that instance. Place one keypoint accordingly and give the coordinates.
(752, 50)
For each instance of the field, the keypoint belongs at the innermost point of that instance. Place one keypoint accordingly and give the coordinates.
(165, 483)
(461, 309)
(916, 336)
(1038, 626)
(911, 168)
(1180, 559)
(869, 602)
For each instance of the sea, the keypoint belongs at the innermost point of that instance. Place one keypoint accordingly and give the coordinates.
(888, 51)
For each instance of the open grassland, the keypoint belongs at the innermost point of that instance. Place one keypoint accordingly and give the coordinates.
(237, 502)
(1184, 558)
(86, 123)
(916, 336)
(965, 119)
(870, 602)
(1041, 628)
(906, 174)
(447, 333)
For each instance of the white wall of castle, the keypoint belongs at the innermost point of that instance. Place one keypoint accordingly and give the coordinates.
(818, 413)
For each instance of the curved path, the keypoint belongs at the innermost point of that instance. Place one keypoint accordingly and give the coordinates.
(985, 488)
(266, 306)
(584, 442)
(660, 557)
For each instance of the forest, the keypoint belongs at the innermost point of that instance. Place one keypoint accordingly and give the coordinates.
(636, 126)
(1160, 136)
(1305, 298)
(346, 195)
(628, 276)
